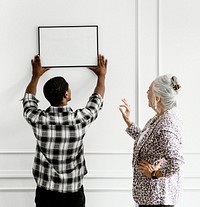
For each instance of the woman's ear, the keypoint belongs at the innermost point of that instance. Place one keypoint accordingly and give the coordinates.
(158, 99)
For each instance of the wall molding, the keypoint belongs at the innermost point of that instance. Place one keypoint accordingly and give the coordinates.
(86, 153)
(93, 190)
(26, 174)
(31, 152)
(14, 174)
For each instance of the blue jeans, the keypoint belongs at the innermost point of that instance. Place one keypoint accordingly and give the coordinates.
(47, 198)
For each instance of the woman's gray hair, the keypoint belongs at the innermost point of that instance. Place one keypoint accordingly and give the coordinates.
(166, 86)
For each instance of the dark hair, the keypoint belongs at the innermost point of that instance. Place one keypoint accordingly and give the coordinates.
(54, 90)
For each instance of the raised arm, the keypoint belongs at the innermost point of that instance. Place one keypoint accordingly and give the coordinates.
(37, 72)
(100, 71)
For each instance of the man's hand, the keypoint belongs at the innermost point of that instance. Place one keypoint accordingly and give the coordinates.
(37, 69)
(100, 71)
(37, 72)
(101, 68)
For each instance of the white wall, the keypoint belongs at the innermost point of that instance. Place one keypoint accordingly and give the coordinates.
(169, 43)
(107, 147)
(179, 53)
(141, 39)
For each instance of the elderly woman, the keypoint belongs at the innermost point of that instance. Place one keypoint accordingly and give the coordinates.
(157, 153)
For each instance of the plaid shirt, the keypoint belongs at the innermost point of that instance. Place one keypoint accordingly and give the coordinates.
(59, 163)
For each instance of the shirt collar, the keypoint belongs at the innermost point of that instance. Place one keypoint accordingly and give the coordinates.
(59, 109)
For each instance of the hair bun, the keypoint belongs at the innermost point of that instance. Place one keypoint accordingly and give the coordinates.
(176, 86)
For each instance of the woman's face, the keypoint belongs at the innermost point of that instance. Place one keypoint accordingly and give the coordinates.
(150, 95)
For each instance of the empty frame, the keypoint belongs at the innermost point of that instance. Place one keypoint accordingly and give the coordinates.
(68, 46)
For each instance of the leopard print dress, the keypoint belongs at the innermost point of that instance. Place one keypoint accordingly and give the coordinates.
(161, 142)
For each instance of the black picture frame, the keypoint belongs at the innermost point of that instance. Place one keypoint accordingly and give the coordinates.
(68, 46)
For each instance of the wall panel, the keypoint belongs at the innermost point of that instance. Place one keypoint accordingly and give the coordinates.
(147, 54)
(179, 43)
(168, 36)
(110, 175)
(179, 54)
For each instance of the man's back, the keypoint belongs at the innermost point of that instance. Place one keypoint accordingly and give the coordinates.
(59, 163)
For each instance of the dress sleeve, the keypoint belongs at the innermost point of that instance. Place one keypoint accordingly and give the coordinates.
(134, 131)
(171, 146)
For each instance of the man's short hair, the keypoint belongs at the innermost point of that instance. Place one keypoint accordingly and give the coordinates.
(55, 89)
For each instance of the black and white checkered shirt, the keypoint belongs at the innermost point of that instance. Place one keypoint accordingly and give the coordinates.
(59, 163)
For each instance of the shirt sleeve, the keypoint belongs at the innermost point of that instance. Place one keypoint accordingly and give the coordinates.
(91, 111)
(30, 105)
(171, 146)
(134, 131)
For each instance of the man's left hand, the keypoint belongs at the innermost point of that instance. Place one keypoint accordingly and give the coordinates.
(37, 69)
